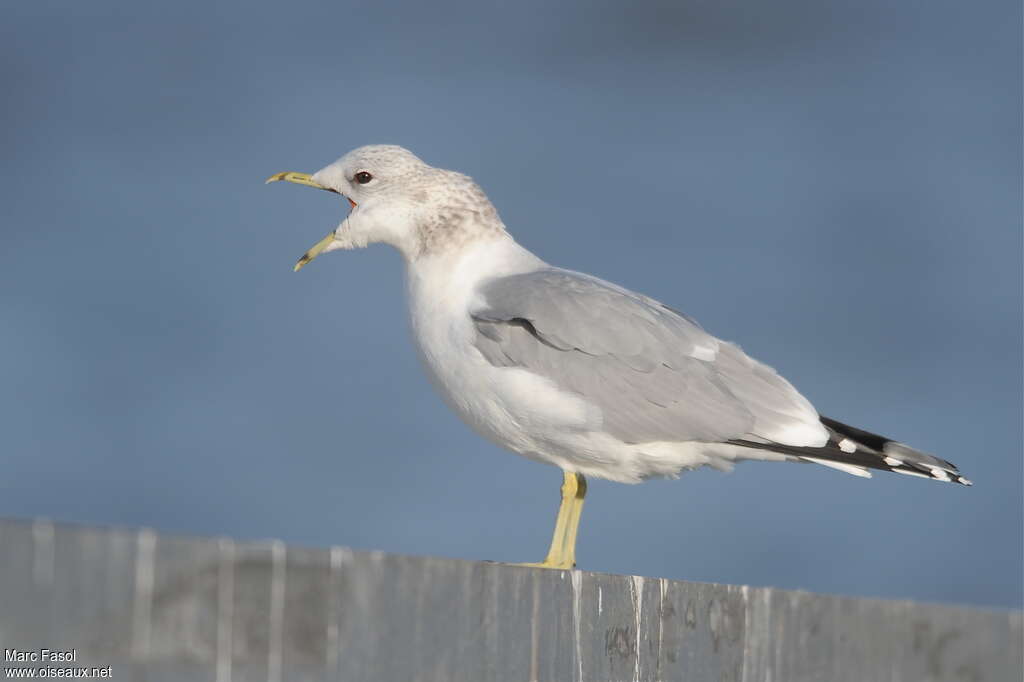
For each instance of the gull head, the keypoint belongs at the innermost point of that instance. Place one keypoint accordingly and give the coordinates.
(399, 200)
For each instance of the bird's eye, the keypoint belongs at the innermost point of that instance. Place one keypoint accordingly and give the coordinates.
(362, 177)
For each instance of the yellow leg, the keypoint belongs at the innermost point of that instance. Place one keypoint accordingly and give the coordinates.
(562, 553)
(573, 524)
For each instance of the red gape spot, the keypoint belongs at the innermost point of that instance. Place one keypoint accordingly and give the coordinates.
(351, 203)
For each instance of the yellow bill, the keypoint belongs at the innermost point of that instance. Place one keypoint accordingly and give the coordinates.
(298, 178)
(315, 251)
(307, 180)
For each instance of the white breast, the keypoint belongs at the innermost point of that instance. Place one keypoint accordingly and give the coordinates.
(512, 407)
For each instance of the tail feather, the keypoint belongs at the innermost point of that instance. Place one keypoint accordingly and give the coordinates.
(855, 451)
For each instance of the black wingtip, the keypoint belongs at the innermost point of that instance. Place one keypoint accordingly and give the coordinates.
(855, 447)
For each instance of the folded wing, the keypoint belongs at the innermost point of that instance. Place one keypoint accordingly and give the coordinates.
(655, 374)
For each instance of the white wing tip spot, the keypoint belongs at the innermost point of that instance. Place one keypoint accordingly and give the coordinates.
(893, 462)
(847, 445)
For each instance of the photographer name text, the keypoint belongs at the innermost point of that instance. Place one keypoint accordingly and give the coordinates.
(40, 655)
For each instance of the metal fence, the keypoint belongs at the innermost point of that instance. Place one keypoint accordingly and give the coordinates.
(141, 606)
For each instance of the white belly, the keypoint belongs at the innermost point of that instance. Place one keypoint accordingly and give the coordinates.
(512, 407)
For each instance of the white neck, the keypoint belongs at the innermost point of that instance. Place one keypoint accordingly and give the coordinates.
(451, 277)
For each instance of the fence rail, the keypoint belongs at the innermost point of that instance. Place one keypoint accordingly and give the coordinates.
(154, 607)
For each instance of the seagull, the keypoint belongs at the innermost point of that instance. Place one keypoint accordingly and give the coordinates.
(568, 369)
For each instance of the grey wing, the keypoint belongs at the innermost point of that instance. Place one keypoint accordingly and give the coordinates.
(653, 372)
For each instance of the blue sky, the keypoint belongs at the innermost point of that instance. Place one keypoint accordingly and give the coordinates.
(836, 186)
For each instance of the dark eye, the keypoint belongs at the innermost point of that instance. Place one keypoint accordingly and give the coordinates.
(362, 177)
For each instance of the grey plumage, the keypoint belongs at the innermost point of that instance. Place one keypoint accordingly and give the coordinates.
(655, 374)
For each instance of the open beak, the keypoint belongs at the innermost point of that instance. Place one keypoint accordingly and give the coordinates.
(307, 180)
